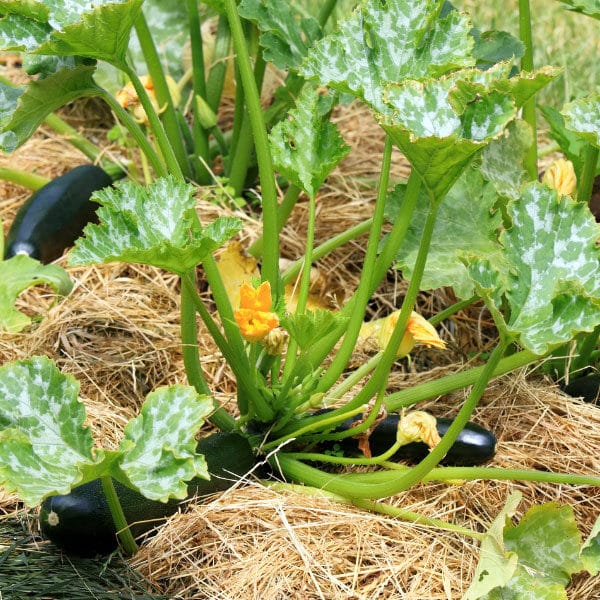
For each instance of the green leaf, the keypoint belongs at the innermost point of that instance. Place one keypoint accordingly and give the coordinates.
(590, 551)
(386, 42)
(307, 146)
(552, 286)
(503, 159)
(496, 564)
(102, 34)
(591, 8)
(492, 47)
(311, 326)
(159, 447)
(284, 37)
(16, 275)
(21, 33)
(155, 225)
(466, 222)
(24, 109)
(583, 117)
(43, 443)
(547, 541)
(523, 586)
(571, 144)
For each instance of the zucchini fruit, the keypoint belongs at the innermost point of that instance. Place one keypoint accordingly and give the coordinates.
(54, 216)
(81, 523)
(586, 387)
(475, 444)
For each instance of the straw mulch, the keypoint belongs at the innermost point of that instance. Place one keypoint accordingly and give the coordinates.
(118, 334)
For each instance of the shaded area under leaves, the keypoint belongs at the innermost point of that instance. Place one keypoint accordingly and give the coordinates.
(30, 568)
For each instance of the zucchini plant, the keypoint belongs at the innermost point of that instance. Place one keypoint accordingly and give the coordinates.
(447, 101)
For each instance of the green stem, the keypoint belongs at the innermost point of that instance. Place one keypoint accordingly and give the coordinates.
(80, 142)
(588, 174)
(329, 246)
(235, 357)
(453, 309)
(363, 292)
(190, 351)
(376, 507)
(304, 281)
(283, 212)
(452, 474)
(116, 510)
(200, 134)
(219, 59)
(163, 98)
(136, 133)
(529, 115)
(156, 126)
(445, 385)
(354, 378)
(28, 180)
(270, 266)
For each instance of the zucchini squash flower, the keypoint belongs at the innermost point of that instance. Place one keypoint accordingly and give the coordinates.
(418, 331)
(254, 316)
(127, 97)
(418, 426)
(561, 177)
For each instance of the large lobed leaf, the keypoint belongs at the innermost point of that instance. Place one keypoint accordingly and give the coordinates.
(98, 29)
(43, 444)
(155, 225)
(307, 146)
(159, 447)
(466, 223)
(583, 117)
(284, 37)
(24, 108)
(16, 275)
(385, 42)
(552, 285)
(591, 8)
(533, 559)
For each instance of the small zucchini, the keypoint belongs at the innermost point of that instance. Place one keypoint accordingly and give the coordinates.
(80, 522)
(54, 216)
(475, 444)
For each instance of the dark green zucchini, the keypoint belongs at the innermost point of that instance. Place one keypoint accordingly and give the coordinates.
(80, 522)
(586, 387)
(475, 444)
(54, 216)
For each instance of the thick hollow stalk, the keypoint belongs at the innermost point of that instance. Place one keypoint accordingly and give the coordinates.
(28, 180)
(270, 267)
(304, 281)
(450, 383)
(123, 532)
(363, 293)
(529, 115)
(219, 60)
(163, 95)
(156, 126)
(137, 134)
(588, 174)
(200, 135)
(191, 358)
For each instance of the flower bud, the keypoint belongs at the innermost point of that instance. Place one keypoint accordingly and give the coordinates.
(561, 177)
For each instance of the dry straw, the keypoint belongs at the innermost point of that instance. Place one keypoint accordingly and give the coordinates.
(118, 334)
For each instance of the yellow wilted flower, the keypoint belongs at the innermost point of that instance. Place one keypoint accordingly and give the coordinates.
(127, 97)
(418, 426)
(561, 177)
(418, 331)
(254, 316)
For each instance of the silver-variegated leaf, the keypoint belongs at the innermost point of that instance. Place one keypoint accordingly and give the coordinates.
(155, 225)
(382, 43)
(552, 285)
(159, 447)
(44, 444)
(307, 146)
(583, 117)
